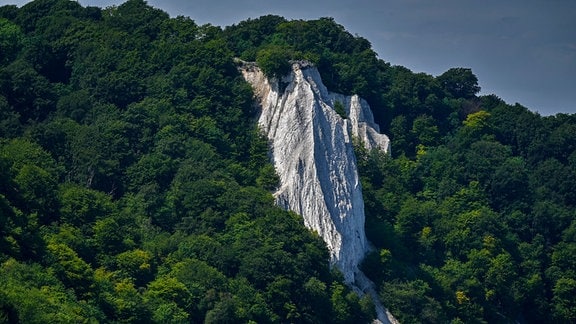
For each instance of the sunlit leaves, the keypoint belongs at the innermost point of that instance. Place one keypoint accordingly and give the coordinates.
(274, 60)
(11, 38)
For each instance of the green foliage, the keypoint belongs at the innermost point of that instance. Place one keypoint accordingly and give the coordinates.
(11, 38)
(472, 210)
(81, 206)
(134, 186)
(425, 131)
(268, 178)
(477, 122)
(274, 60)
(347, 306)
(340, 110)
(410, 301)
(69, 268)
(459, 83)
(33, 295)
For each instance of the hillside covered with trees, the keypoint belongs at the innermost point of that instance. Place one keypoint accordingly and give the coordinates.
(135, 186)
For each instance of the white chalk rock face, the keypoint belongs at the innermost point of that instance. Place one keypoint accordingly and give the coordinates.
(313, 155)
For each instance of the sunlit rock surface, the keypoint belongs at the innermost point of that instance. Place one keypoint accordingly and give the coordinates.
(313, 154)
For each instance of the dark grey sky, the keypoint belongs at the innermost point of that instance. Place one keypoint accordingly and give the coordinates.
(521, 50)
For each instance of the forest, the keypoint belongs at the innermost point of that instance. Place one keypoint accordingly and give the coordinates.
(136, 187)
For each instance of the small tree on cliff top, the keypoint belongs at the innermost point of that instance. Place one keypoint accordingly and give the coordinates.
(274, 60)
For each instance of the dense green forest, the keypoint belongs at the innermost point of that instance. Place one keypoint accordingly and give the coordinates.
(135, 187)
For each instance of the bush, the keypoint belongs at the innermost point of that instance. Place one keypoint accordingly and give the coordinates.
(274, 60)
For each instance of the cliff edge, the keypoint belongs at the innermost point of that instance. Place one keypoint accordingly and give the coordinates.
(311, 132)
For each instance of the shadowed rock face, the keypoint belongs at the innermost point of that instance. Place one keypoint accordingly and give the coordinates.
(313, 155)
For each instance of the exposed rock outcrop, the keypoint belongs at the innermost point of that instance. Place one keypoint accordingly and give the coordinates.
(313, 154)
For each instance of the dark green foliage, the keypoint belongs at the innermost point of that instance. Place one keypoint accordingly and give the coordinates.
(134, 185)
(340, 110)
(30, 94)
(245, 38)
(478, 230)
(274, 60)
(459, 83)
(410, 301)
(11, 38)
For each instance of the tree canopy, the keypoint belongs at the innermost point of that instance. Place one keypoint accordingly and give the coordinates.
(134, 183)
(135, 186)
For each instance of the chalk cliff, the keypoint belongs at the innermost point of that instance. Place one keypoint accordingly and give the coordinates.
(313, 154)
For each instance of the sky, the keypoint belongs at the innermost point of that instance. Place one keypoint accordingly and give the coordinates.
(523, 51)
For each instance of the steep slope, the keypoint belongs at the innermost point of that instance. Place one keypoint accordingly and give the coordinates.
(312, 151)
